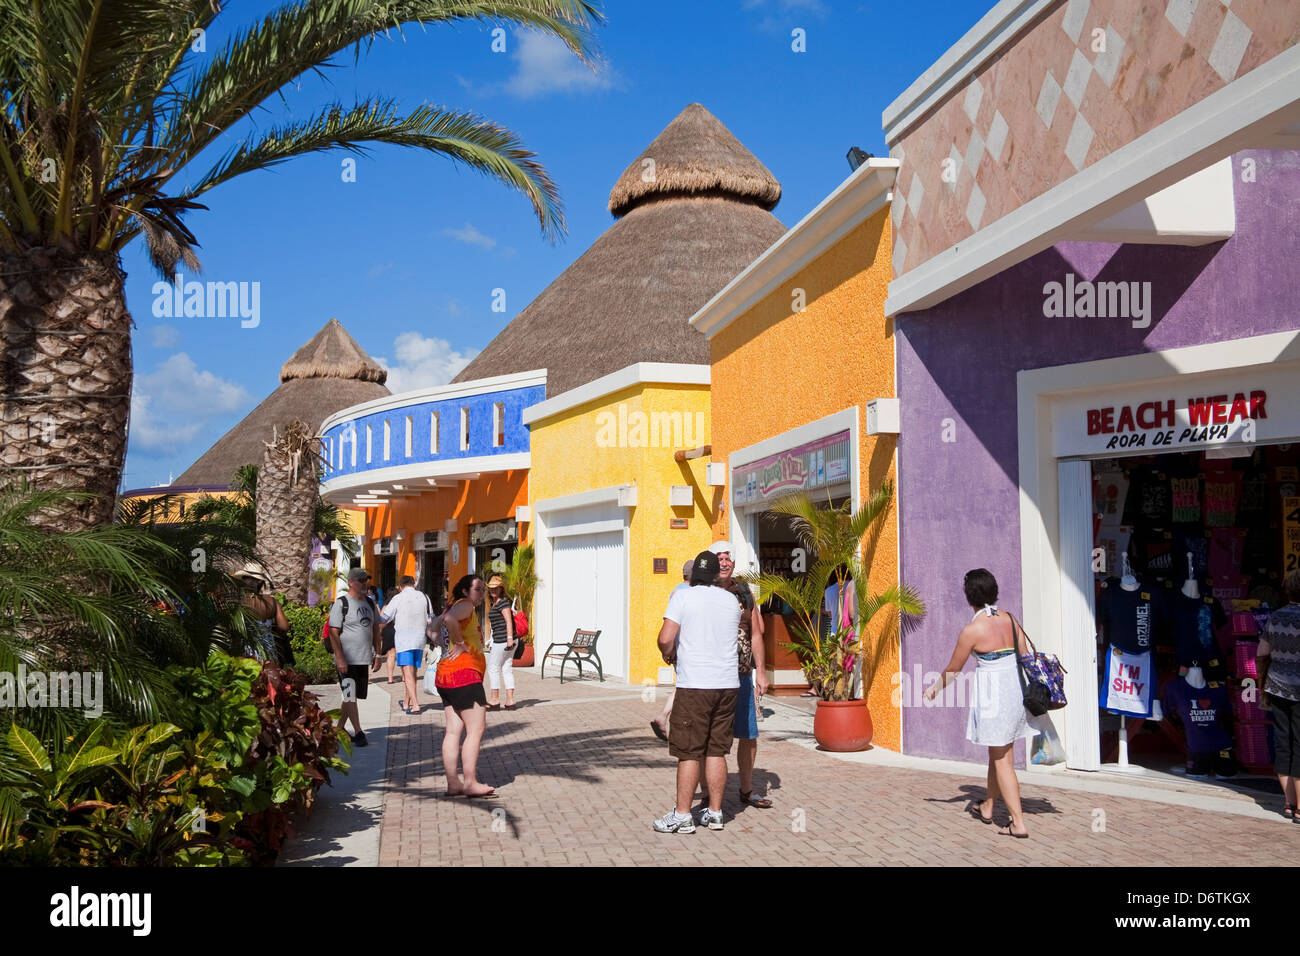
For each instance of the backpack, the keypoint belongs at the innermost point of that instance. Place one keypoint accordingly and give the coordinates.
(325, 628)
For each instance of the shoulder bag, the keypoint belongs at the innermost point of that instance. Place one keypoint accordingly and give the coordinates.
(1042, 678)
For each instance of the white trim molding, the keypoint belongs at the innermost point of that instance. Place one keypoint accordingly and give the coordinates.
(962, 60)
(1248, 111)
(582, 499)
(438, 393)
(449, 469)
(642, 373)
(850, 204)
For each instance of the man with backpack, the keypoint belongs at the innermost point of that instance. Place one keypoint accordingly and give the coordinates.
(354, 626)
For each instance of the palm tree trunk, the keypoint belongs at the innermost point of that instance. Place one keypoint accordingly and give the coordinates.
(65, 376)
(286, 510)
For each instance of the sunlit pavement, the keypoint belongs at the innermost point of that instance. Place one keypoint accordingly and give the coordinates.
(580, 777)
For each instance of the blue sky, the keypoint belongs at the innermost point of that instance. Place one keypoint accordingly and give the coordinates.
(407, 256)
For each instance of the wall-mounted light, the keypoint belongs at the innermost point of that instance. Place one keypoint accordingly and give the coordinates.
(523, 514)
(450, 525)
(680, 496)
(715, 473)
(627, 496)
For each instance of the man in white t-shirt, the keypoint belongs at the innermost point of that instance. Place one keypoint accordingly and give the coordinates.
(410, 611)
(699, 637)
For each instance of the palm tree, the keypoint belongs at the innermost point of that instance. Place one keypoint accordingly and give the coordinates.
(102, 106)
(288, 489)
(841, 545)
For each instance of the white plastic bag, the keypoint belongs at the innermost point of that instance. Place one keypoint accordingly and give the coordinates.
(431, 670)
(1045, 749)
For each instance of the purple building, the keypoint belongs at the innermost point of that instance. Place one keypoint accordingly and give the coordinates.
(1098, 354)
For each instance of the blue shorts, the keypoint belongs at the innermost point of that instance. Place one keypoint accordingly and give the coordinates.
(746, 718)
(409, 658)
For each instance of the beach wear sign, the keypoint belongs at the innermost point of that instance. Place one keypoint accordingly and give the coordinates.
(1259, 405)
(817, 464)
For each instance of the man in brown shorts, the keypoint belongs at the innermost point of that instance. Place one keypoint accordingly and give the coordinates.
(699, 637)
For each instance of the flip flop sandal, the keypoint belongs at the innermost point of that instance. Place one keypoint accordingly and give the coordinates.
(747, 797)
(974, 810)
(1289, 812)
(1008, 832)
(480, 796)
(659, 731)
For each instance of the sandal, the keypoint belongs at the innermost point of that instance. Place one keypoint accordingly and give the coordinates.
(747, 797)
(1289, 812)
(974, 810)
(659, 731)
(1007, 831)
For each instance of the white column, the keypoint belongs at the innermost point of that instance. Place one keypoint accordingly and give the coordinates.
(1078, 631)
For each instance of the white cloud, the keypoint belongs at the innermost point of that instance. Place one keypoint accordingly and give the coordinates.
(164, 336)
(423, 362)
(176, 401)
(375, 271)
(543, 64)
(471, 236)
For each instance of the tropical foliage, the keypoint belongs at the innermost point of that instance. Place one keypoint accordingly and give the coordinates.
(106, 109)
(839, 545)
(520, 580)
(219, 787)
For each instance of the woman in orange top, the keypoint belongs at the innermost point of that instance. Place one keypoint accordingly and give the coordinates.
(459, 679)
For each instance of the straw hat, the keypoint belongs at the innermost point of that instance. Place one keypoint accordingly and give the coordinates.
(495, 582)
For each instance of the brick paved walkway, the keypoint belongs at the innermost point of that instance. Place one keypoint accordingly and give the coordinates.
(580, 778)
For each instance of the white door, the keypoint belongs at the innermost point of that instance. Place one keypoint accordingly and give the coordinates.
(588, 592)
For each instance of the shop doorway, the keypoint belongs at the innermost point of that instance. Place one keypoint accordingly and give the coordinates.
(493, 558)
(387, 582)
(433, 578)
(1188, 550)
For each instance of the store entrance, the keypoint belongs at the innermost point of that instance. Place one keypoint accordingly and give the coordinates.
(1189, 555)
(433, 578)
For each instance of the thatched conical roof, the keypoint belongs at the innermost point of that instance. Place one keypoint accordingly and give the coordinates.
(331, 371)
(695, 155)
(629, 297)
(332, 353)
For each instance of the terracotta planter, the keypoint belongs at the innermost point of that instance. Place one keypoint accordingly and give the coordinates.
(526, 658)
(842, 726)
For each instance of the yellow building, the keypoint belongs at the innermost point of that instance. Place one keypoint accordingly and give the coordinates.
(802, 369)
(615, 514)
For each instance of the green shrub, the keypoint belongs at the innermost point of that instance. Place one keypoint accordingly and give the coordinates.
(250, 748)
(311, 658)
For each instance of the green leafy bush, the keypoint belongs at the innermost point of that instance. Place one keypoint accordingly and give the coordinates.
(311, 658)
(249, 750)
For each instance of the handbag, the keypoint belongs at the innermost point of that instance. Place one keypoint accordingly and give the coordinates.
(521, 625)
(1042, 678)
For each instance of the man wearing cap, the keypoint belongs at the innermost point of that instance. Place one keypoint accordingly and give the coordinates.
(699, 636)
(354, 637)
(752, 673)
(660, 724)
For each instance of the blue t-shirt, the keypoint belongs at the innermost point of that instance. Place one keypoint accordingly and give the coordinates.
(1203, 713)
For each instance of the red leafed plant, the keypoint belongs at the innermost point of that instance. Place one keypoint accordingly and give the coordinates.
(295, 728)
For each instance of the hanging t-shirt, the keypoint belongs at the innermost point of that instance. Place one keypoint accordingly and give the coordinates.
(1203, 712)
(1222, 494)
(1227, 549)
(1128, 685)
(1195, 621)
(1129, 619)
(1186, 495)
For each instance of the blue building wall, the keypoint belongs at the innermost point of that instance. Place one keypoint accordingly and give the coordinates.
(480, 406)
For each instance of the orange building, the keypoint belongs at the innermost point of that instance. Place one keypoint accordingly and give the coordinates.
(802, 361)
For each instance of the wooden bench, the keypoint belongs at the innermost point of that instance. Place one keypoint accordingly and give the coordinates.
(582, 647)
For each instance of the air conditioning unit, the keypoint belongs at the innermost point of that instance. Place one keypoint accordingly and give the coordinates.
(431, 541)
(385, 546)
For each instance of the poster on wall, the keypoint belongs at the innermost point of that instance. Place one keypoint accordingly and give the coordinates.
(1290, 534)
(818, 464)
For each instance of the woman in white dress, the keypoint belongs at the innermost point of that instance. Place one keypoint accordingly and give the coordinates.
(997, 714)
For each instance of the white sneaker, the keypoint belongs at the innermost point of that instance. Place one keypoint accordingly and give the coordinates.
(711, 819)
(674, 822)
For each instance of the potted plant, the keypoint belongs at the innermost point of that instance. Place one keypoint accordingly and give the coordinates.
(521, 581)
(834, 660)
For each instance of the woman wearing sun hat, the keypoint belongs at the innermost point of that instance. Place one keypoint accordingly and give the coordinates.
(500, 665)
